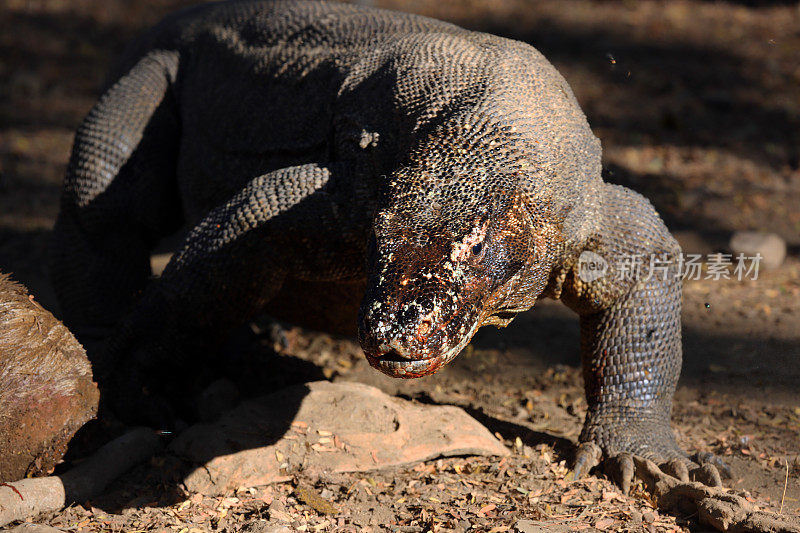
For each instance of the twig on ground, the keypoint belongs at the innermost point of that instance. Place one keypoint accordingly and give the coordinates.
(785, 483)
(30, 497)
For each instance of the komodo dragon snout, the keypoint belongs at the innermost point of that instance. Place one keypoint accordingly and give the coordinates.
(440, 267)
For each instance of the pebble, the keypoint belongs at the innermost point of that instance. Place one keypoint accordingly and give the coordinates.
(277, 511)
(771, 247)
(34, 528)
(529, 526)
(262, 526)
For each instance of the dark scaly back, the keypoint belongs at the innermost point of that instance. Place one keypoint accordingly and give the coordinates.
(413, 79)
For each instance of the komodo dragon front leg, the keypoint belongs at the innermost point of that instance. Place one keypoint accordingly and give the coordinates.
(631, 343)
(230, 265)
(120, 198)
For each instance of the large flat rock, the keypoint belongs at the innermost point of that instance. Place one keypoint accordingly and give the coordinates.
(324, 427)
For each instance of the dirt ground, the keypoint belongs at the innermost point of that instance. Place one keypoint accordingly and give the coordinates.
(698, 107)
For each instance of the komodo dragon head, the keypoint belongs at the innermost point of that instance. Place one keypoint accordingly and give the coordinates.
(466, 235)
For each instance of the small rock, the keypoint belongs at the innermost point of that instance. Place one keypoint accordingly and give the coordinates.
(529, 526)
(222, 395)
(277, 511)
(262, 526)
(771, 247)
(34, 528)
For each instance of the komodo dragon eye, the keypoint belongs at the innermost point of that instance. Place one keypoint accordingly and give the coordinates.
(478, 250)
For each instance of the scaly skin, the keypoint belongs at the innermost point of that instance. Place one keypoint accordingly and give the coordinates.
(449, 172)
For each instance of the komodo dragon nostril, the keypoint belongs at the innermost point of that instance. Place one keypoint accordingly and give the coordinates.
(424, 327)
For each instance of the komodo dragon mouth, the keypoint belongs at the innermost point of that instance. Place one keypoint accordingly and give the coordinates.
(393, 363)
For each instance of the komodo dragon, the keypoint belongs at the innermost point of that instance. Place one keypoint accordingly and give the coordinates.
(333, 154)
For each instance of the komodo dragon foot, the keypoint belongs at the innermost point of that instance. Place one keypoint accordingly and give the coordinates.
(691, 486)
(618, 459)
